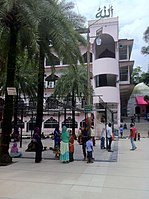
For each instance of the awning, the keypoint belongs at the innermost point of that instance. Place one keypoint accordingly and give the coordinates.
(51, 77)
(140, 100)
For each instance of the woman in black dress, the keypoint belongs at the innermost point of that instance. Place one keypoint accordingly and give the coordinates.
(38, 145)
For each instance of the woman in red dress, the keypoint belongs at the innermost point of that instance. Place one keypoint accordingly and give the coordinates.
(71, 146)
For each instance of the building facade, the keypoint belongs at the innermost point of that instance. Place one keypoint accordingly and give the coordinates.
(111, 68)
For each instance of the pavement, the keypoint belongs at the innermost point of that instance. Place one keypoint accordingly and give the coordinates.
(125, 177)
(99, 154)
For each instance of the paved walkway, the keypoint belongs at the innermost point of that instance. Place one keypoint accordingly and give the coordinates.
(99, 154)
(126, 178)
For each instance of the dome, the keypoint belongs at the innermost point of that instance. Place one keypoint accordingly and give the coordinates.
(141, 88)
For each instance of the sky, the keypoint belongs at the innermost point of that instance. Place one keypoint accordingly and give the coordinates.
(133, 21)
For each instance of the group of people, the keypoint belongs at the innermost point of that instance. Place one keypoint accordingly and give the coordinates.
(64, 144)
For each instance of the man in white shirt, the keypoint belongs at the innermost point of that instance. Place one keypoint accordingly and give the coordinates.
(109, 136)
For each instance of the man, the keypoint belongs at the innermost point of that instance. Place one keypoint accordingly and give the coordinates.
(84, 140)
(132, 136)
(93, 135)
(109, 137)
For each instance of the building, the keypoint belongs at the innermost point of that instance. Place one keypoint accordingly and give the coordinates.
(111, 69)
(110, 65)
(136, 103)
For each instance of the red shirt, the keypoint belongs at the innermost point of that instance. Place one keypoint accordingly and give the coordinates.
(132, 132)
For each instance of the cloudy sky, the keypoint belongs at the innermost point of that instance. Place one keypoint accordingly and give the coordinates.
(133, 21)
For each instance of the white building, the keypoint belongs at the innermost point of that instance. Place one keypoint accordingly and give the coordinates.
(111, 68)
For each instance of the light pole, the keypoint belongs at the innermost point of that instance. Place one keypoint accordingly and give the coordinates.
(98, 42)
(88, 108)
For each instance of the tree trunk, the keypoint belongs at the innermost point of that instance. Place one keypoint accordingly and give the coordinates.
(73, 114)
(16, 109)
(8, 108)
(40, 93)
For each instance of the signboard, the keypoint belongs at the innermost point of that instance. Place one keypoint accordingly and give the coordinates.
(88, 108)
(104, 13)
(11, 91)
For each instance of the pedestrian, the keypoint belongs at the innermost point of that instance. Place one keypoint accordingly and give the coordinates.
(84, 140)
(79, 136)
(64, 145)
(89, 147)
(14, 152)
(57, 139)
(16, 134)
(139, 136)
(93, 135)
(132, 136)
(71, 146)
(138, 116)
(103, 134)
(133, 118)
(109, 137)
(38, 145)
(121, 130)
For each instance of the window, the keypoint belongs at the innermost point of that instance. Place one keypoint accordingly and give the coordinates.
(50, 84)
(85, 57)
(105, 80)
(51, 123)
(124, 73)
(122, 52)
(68, 123)
(52, 61)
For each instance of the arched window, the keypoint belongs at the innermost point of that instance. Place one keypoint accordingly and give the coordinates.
(107, 47)
(51, 123)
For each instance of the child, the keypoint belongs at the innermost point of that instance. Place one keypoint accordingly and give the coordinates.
(102, 139)
(121, 131)
(71, 146)
(89, 147)
(14, 152)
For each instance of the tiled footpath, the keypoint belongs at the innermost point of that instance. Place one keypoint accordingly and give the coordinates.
(99, 154)
(126, 178)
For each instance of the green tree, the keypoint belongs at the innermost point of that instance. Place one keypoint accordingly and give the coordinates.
(56, 29)
(136, 75)
(139, 76)
(145, 78)
(145, 49)
(73, 82)
(17, 20)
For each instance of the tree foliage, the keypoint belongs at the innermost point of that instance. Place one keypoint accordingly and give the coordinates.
(139, 76)
(29, 25)
(145, 49)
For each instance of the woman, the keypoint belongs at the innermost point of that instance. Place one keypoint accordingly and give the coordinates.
(64, 145)
(14, 153)
(71, 146)
(38, 145)
(57, 139)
